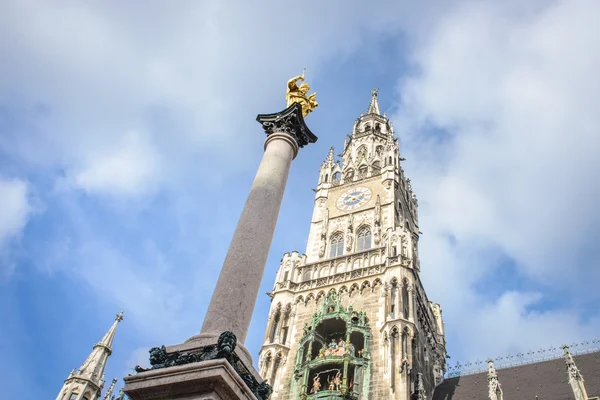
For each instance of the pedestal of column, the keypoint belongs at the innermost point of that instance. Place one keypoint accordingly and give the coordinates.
(215, 364)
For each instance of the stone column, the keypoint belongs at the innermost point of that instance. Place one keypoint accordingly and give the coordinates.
(237, 289)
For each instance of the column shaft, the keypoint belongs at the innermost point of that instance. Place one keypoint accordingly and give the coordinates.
(235, 295)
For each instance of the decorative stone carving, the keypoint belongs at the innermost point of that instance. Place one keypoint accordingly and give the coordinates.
(495, 389)
(575, 378)
(159, 358)
(289, 121)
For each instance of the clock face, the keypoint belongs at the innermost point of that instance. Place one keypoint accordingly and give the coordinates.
(353, 198)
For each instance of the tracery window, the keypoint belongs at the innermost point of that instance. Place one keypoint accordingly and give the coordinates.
(337, 246)
(267, 364)
(275, 324)
(275, 368)
(394, 295)
(306, 276)
(405, 300)
(349, 175)
(364, 239)
(362, 172)
(376, 168)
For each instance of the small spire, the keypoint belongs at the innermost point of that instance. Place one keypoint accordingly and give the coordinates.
(495, 389)
(575, 378)
(108, 338)
(331, 155)
(109, 392)
(374, 106)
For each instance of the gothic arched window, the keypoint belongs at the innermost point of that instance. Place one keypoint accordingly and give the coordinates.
(376, 168)
(393, 297)
(405, 300)
(275, 368)
(275, 323)
(363, 241)
(306, 276)
(337, 246)
(267, 363)
(393, 354)
(349, 176)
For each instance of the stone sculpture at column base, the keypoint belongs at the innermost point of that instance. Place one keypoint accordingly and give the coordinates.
(210, 372)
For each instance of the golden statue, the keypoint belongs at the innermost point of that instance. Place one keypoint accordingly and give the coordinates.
(298, 95)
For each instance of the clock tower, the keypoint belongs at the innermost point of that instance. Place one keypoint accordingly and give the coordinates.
(350, 318)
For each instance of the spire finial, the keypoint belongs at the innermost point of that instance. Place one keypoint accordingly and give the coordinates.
(374, 106)
(119, 317)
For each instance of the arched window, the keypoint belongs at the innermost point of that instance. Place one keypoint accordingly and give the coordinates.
(405, 300)
(337, 246)
(393, 298)
(405, 344)
(275, 368)
(326, 177)
(390, 160)
(306, 276)
(267, 363)
(349, 175)
(364, 239)
(362, 172)
(376, 168)
(393, 354)
(336, 177)
(275, 324)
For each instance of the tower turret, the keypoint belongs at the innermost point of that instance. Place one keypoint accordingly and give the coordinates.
(86, 383)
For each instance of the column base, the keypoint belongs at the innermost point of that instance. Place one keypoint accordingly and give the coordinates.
(206, 366)
(206, 380)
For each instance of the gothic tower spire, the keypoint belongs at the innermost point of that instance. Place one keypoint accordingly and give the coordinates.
(374, 106)
(86, 383)
(350, 318)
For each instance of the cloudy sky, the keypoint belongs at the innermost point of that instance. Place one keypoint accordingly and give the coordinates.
(128, 145)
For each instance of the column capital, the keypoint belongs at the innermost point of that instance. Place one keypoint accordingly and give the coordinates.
(288, 121)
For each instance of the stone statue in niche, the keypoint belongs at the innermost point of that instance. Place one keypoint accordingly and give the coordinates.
(349, 240)
(322, 248)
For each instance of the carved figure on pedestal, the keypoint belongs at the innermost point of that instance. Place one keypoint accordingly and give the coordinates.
(316, 385)
(338, 380)
(298, 94)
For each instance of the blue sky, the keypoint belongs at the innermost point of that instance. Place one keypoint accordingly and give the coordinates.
(128, 145)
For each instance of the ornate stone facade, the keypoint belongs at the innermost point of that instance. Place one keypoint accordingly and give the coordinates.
(350, 317)
(87, 382)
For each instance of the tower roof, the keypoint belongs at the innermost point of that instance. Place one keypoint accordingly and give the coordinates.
(93, 367)
(374, 105)
(108, 338)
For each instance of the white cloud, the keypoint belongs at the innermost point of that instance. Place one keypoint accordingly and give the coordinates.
(132, 167)
(15, 208)
(513, 173)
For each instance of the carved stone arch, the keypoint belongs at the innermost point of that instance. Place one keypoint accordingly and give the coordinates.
(332, 290)
(299, 299)
(288, 309)
(340, 267)
(353, 289)
(320, 295)
(343, 289)
(377, 283)
(309, 297)
(364, 285)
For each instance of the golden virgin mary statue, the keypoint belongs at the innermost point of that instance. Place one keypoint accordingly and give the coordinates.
(298, 94)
